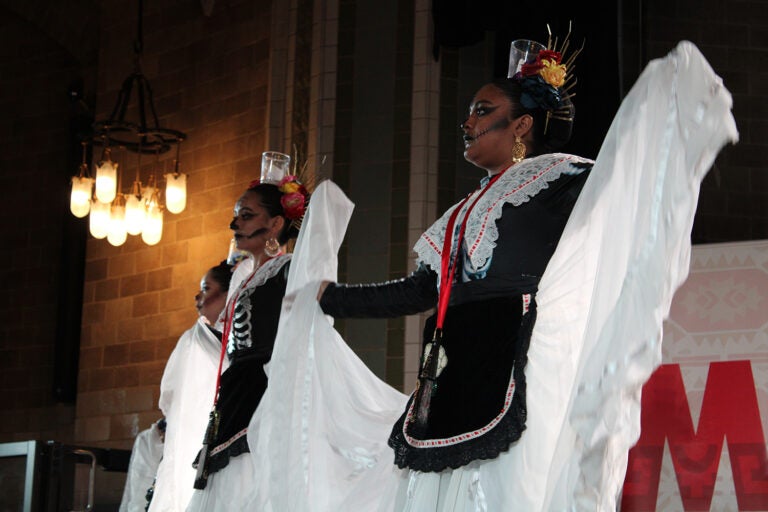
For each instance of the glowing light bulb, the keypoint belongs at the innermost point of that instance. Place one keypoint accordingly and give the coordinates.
(80, 199)
(99, 220)
(175, 192)
(134, 214)
(106, 181)
(153, 225)
(117, 233)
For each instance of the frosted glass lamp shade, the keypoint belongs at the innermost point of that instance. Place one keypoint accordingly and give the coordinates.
(149, 195)
(153, 225)
(99, 220)
(175, 192)
(134, 214)
(80, 198)
(117, 233)
(106, 181)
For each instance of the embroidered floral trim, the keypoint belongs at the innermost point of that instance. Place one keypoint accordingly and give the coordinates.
(235, 447)
(517, 186)
(225, 445)
(466, 436)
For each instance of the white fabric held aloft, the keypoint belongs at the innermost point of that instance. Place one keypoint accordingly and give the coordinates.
(319, 435)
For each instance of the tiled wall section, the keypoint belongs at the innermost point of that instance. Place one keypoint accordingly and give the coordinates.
(343, 118)
(422, 197)
(364, 154)
(325, 43)
(400, 248)
(733, 36)
(301, 80)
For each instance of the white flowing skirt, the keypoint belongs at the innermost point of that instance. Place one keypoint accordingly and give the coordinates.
(228, 489)
(319, 437)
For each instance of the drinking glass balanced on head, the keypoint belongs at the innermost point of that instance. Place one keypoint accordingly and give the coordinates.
(479, 265)
(266, 216)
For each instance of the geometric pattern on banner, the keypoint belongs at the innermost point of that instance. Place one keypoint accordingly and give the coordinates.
(704, 412)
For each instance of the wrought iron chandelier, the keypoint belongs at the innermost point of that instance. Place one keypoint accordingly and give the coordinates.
(114, 214)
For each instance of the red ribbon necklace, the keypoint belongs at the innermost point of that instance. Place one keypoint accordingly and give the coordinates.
(428, 375)
(228, 319)
(447, 265)
(201, 478)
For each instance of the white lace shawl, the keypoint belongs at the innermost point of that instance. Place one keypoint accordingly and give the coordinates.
(516, 186)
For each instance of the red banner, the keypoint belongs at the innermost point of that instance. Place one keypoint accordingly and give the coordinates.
(729, 413)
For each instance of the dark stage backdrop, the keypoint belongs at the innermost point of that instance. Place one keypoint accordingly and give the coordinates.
(598, 92)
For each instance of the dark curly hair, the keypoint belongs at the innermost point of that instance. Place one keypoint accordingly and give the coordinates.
(558, 131)
(222, 274)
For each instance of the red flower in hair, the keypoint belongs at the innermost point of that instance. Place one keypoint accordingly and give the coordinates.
(550, 55)
(293, 204)
(294, 198)
(536, 66)
(547, 65)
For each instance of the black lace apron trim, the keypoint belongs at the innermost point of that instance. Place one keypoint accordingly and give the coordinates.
(238, 445)
(479, 407)
(242, 386)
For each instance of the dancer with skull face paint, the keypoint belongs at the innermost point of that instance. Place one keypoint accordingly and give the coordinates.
(266, 217)
(480, 263)
(460, 443)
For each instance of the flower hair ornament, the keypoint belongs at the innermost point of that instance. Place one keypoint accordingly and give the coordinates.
(545, 75)
(295, 194)
(295, 199)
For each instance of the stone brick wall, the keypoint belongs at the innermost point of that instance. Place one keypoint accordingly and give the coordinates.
(209, 76)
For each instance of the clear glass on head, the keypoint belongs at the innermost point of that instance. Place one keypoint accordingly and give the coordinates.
(522, 51)
(274, 166)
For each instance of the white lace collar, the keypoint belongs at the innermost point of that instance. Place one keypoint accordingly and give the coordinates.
(262, 273)
(240, 280)
(516, 186)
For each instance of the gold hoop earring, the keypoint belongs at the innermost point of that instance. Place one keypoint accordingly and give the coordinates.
(518, 150)
(272, 247)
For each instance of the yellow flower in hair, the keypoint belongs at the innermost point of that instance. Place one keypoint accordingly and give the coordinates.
(289, 187)
(553, 73)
